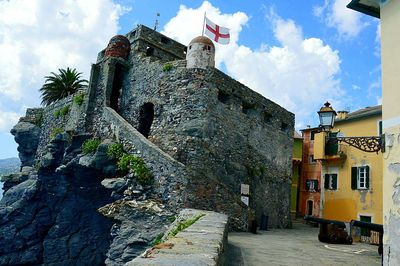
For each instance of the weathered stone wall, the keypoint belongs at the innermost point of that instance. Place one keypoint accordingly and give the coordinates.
(216, 126)
(170, 177)
(203, 243)
(53, 123)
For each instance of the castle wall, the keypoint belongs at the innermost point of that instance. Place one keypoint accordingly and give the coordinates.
(217, 127)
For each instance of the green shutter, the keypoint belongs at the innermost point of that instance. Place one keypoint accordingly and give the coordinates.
(354, 178)
(334, 181)
(326, 183)
(367, 171)
(331, 147)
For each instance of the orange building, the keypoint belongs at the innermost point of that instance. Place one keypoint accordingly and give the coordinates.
(310, 178)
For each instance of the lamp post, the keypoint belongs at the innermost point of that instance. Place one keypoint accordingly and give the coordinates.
(326, 117)
(368, 144)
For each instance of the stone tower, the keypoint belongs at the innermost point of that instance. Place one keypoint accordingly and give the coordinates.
(200, 53)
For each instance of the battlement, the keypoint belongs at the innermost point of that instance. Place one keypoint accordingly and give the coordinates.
(152, 43)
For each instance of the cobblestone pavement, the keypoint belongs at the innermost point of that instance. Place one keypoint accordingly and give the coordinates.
(298, 246)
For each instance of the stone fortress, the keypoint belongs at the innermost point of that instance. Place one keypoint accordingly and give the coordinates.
(210, 143)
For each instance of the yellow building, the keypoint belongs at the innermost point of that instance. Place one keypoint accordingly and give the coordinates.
(296, 170)
(351, 179)
(388, 12)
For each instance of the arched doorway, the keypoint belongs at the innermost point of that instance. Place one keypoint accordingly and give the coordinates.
(146, 116)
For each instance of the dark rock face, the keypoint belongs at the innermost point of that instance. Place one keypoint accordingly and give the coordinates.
(27, 136)
(52, 218)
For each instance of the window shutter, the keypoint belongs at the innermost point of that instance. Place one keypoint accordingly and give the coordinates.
(334, 181)
(354, 178)
(316, 185)
(367, 172)
(307, 184)
(326, 183)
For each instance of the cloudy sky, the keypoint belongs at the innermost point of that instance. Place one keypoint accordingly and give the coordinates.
(296, 53)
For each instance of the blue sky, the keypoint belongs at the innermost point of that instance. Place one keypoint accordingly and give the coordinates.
(296, 53)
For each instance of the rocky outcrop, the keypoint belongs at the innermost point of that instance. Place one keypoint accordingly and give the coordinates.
(66, 213)
(52, 218)
(26, 134)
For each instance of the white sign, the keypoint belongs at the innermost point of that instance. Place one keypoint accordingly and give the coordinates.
(245, 189)
(245, 200)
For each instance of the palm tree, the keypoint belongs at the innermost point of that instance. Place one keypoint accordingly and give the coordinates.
(59, 86)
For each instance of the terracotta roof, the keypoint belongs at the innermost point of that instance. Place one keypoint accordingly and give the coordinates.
(202, 39)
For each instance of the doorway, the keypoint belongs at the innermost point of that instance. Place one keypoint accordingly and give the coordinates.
(309, 207)
(146, 116)
(116, 87)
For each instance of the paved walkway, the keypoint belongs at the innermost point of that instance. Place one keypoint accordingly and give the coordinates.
(298, 246)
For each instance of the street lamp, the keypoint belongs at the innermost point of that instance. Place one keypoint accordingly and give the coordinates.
(326, 117)
(368, 144)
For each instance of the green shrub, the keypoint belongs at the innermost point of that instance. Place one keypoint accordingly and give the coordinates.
(78, 99)
(157, 240)
(56, 131)
(124, 162)
(183, 225)
(128, 162)
(115, 151)
(62, 111)
(90, 145)
(167, 67)
(172, 219)
(57, 113)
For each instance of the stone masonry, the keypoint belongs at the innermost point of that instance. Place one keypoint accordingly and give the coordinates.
(212, 124)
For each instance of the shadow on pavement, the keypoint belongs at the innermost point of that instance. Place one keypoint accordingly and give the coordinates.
(233, 256)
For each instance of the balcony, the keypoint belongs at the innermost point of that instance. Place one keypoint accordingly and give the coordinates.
(329, 151)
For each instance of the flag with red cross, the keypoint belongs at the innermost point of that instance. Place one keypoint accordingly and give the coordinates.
(216, 33)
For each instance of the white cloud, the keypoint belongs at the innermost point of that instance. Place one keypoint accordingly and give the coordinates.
(336, 15)
(300, 73)
(8, 120)
(40, 36)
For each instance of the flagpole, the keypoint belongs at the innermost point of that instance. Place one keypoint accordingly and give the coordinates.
(204, 22)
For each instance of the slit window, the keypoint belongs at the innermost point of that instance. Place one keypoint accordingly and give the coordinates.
(267, 117)
(223, 97)
(247, 108)
(284, 127)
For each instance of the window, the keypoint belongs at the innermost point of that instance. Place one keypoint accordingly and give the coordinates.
(330, 181)
(149, 51)
(312, 136)
(360, 177)
(284, 127)
(312, 185)
(311, 159)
